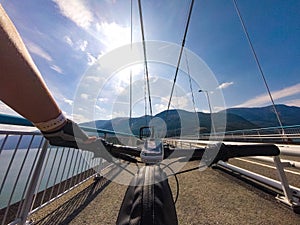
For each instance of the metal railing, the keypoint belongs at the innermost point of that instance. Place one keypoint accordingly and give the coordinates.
(33, 174)
(285, 134)
(290, 194)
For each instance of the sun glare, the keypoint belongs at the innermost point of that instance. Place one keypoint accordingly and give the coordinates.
(113, 35)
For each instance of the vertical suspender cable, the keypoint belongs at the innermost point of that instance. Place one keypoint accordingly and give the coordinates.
(130, 81)
(130, 95)
(145, 98)
(145, 56)
(258, 64)
(180, 54)
(190, 81)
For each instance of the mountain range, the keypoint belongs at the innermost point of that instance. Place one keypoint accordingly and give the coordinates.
(266, 117)
(236, 119)
(188, 122)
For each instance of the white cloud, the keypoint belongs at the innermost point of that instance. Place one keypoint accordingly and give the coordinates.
(79, 118)
(225, 85)
(82, 45)
(77, 11)
(67, 114)
(160, 107)
(263, 99)
(120, 83)
(68, 101)
(84, 96)
(289, 91)
(153, 78)
(118, 114)
(180, 102)
(119, 88)
(4, 109)
(113, 35)
(103, 100)
(78, 45)
(68, 40)
(218, 108)
(37, 50)
(91, 59)
(100, 109)
(111, 1)
(134, 70)
(294, 102)
(57, 69)
(93, 78)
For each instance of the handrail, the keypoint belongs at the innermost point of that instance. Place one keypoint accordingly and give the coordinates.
(285, 134)
(20, 121)
(254, 129)
(25, 186)
(14, 120)
(23, 179)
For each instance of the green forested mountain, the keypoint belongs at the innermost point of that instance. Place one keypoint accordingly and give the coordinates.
(265, 116)
(190, 123)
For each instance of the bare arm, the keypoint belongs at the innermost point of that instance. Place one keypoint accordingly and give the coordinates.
(22, 86)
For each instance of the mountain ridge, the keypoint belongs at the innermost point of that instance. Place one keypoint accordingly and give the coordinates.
(266, 117)
(237, 119)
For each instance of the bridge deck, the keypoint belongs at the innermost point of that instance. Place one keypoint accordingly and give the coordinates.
(208, 197)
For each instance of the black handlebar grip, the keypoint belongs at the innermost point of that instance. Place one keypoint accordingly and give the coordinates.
(231, 151)
(117, 149)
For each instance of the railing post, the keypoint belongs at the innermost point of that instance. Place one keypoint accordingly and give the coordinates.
(32, 186)
(288, 196)
(258, 133)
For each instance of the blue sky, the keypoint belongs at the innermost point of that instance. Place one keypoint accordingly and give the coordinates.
(66, 39)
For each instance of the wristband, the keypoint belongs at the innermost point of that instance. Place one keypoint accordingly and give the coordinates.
(51, 124)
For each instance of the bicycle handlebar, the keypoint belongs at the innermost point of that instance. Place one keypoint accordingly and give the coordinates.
(211, 153)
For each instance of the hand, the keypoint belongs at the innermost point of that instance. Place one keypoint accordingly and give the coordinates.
(69, 135)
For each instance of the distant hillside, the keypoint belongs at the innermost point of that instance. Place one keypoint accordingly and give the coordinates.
(173, 119)
(237, 119)
(265, 116)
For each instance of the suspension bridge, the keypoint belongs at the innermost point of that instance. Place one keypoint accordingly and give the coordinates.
(42, 184)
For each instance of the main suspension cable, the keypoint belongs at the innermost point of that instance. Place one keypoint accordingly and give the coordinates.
(180, 54)
(258, 63)
(145, 56)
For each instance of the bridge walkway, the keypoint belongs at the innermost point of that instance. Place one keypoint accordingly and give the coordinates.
(212, 196)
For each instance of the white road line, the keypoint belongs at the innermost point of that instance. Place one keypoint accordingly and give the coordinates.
(264, 165)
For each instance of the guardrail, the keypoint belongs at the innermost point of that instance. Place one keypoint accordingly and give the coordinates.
(291, 194)
(33, 174)
(285, 134)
